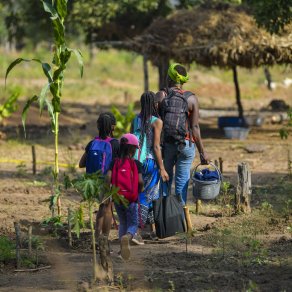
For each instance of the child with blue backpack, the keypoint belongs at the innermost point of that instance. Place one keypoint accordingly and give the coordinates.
(98, 155)
(126, 173)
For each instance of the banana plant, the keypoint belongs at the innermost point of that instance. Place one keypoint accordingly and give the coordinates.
(124, 121)
(54, 73)
(9, 106)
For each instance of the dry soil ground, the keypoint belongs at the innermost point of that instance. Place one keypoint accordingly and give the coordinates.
(163, 265)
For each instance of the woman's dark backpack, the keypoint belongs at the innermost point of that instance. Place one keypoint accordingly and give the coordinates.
(174, 114)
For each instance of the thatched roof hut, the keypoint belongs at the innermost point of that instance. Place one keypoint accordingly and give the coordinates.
(225, 36)
(221, 37)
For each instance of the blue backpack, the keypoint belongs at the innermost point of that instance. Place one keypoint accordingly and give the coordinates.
(99, 155)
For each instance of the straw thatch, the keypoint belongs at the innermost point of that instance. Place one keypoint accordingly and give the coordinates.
(224, 38)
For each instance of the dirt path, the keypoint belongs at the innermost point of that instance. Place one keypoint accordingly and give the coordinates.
(163, 266)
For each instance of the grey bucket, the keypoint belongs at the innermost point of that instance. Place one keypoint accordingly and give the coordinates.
(206, 190)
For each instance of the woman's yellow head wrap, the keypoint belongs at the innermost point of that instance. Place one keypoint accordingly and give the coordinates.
(175, 76)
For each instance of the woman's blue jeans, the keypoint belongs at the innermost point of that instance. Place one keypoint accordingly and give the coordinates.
(182, 160)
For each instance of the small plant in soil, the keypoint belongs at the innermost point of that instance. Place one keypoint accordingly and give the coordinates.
(54, 224)
(226, 198)
(21, 170)
(55, 80)
(94, 190)
(255, 252)
(7, 250)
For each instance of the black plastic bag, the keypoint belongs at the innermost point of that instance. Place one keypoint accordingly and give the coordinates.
(168, 214)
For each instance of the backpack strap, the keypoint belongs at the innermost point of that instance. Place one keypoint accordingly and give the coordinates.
(107, 140)
(187, 94)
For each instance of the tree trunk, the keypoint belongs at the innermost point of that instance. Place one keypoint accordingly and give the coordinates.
(242, 196)
(146, 74)
(105, 257)
(268, 78)
(237, 92)
(162, 71)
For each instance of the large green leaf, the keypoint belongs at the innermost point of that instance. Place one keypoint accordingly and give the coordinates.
(56, 102)
(61, 6)
(13, 64)
(59, 32)
(48, 7)
(79, 57)
(25, 109)
(65, 56)
(43, 96)
(46, 67)
(51, 112)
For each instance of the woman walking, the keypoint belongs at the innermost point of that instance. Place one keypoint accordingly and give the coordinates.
(147, 128)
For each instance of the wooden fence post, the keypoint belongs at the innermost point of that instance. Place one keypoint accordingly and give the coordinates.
(188, 219)
(221, 164)
(17, 232)
(242, 196)
(33, 159)
(29, 239)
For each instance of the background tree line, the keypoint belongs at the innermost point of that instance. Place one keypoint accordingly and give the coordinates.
(23, 22)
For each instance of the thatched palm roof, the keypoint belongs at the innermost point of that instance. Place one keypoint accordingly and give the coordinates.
(214, 37)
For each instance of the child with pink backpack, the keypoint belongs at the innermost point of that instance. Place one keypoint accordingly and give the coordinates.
(126, 173)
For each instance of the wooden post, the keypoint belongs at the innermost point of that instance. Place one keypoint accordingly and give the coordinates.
(69, 228)
(198, 206)
(146, 73)
(221, 164)
(188, 219)
(29, 240)
(33, 159)
(17, 232)
(242, 196)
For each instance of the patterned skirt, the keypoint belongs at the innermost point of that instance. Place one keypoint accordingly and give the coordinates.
(151, 179)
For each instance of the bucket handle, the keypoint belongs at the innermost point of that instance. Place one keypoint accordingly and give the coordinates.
(210, 163)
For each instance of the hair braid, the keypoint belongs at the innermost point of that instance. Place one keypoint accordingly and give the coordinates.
(104, 125)
(148, 110)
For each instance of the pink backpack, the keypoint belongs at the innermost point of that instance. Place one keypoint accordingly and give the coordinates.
(125, 176)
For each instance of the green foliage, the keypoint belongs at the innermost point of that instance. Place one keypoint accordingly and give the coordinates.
(6, 249)
(255, 252)
(124, 121)
(21, 169)
(93, 190)
(273, 15)
(266, 208)
(9, 106)
(61, 55)
(226, 198)
(77, 220)
(284, 132)
(56, 222)
(116, 19)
